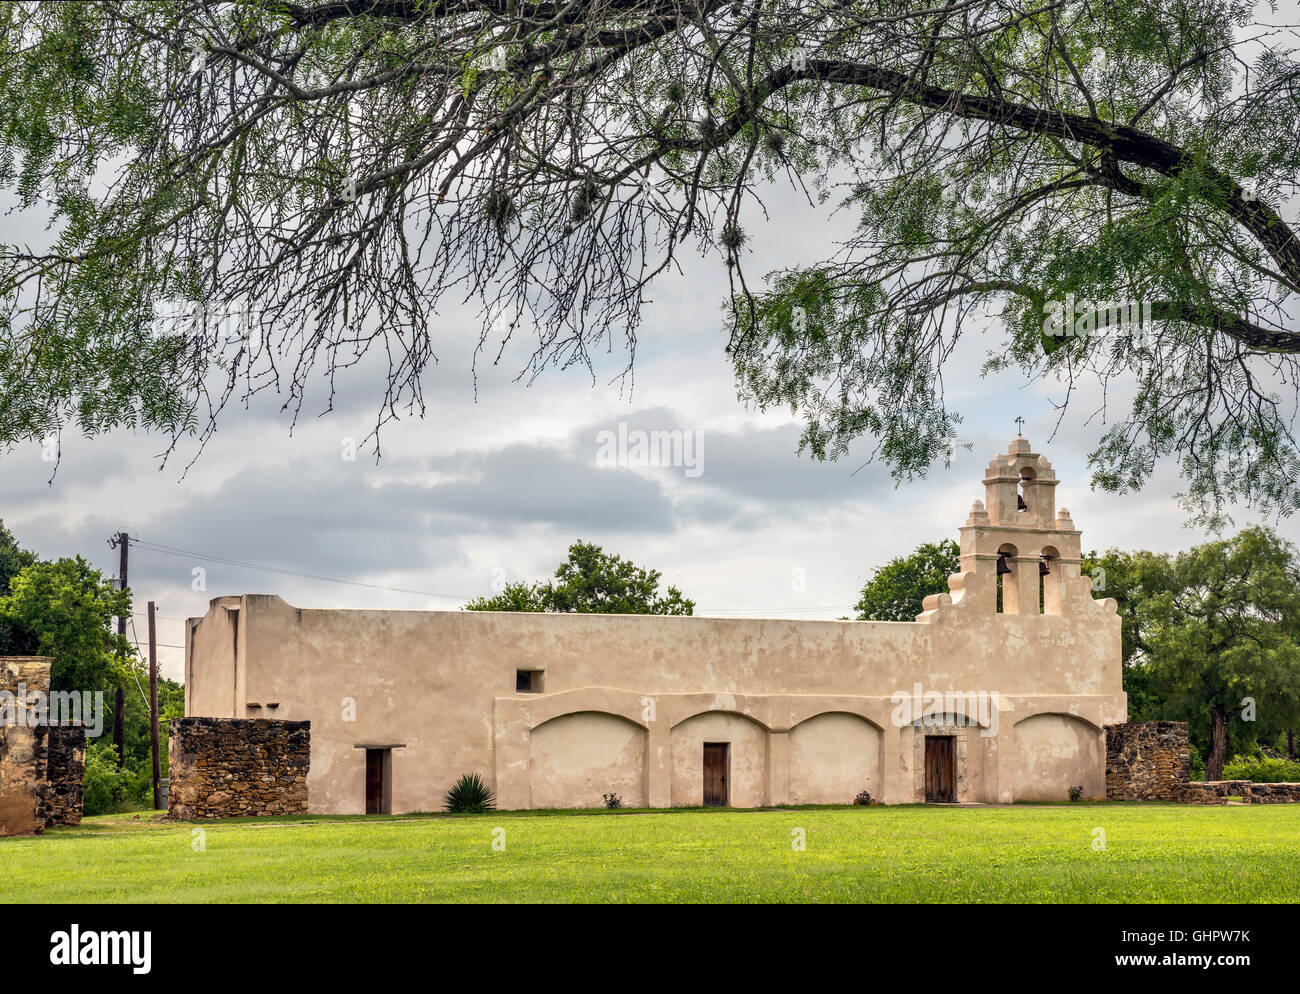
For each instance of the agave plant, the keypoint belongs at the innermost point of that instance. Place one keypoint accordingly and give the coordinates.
(469, 795)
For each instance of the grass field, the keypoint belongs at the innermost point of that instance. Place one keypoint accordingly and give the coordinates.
(1153, 853)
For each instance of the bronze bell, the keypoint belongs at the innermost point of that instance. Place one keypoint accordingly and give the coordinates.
(1020, 503)
(1042, 567)
(1003, 568)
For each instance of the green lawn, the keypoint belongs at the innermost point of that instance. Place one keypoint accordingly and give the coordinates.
(1153, 852)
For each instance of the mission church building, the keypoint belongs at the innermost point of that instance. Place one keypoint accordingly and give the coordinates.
(984, 698)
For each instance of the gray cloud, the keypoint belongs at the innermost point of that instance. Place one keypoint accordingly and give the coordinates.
(540, 484)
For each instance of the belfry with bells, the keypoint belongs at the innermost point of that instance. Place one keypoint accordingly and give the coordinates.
(1017, 536)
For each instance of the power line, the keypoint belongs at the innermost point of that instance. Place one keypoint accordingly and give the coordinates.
(785, 610)
(136, 639)
(168, 550)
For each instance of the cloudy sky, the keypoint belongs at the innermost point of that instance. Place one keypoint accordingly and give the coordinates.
(498, 486)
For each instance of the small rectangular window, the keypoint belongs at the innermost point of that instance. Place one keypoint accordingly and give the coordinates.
(528, 681)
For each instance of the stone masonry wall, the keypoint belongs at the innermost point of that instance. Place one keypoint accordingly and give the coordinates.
(1214, 791)
(22, 747)
(1273, 793)
(1150, 761)
(65, 775)
(1147, 760)
(238, 767)
(1218, 792)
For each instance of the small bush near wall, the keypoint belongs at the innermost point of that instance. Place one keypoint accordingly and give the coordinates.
(1262, 769)
(108, 789)
(469, 795)
(1197, 768)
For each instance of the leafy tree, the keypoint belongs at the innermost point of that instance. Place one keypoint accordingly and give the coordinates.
(515, 596)
(14, 640)
(591, 581)
(13, 559)
(1130, 578)
(897, 590)
(1222, 629)
(67, 606)
(345, 166)
(107, 787)
(137, 746)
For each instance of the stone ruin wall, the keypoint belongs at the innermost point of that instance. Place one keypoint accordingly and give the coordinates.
(1150, 761)
(1147, 760)
(23, 751)
(42, 767)
(1219, 792)
(238, 767)
(65, 778)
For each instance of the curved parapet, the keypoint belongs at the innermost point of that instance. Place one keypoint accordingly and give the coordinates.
(966, 592)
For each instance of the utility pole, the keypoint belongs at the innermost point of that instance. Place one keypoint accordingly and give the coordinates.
(122, 542)
(153, 712)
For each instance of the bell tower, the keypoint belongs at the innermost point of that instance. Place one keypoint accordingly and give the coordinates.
(1017, 534)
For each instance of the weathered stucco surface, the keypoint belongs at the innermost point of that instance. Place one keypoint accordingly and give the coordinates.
(1049, 749)
(23, 747)
(587, 755)
(808, 707)
(834, 756)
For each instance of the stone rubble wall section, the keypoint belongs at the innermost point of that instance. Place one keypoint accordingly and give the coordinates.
(1220, 791)
(1147, 760)
(65, 785)
(1150, 761)
(238, 767)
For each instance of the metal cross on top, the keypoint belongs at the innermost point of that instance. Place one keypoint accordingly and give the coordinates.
(1020, 423)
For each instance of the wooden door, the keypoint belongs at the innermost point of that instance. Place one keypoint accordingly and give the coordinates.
(375, 781)
(717, 773)
(940, 783)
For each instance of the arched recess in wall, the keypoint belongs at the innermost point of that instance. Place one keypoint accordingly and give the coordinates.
(1055, 751)
(833, 756)
(575, 759)
(1028, 498)
(747, 754)
(1006, 590)
(1050, 583)
(960, 710)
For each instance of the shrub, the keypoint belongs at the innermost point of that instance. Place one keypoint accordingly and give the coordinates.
(862, 798)
(1196, 770)
(1076, 791)
(107, 789)
(469, 795)
(613, 800)
(1262, 769)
